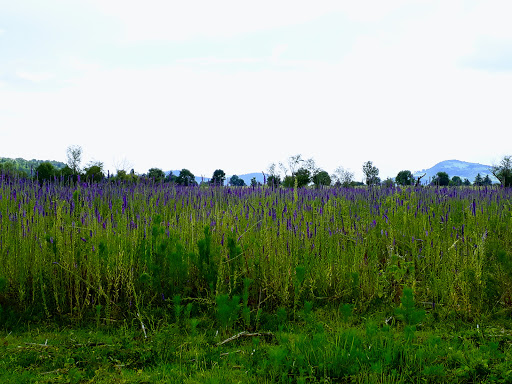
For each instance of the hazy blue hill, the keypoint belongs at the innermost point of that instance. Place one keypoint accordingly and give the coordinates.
(463, 169)
(248, 176)
(176, 172)
(245, 177)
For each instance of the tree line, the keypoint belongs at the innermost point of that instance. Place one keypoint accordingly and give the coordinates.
(296, 172)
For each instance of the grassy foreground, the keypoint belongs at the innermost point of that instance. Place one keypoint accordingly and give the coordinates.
(156, 283)
(320, 347)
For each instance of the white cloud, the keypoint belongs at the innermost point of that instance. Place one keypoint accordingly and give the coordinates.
(491, 19)
(2, 32)
(179, 117)
(164, 20)
(278, 51)
(397, 97)
(35, 77)
(212, 60)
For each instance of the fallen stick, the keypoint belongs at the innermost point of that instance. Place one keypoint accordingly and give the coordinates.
(245, 334)
(142, 325)
(229, 353)
(39, 345)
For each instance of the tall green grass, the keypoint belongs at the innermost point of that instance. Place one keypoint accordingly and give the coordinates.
(122, 248)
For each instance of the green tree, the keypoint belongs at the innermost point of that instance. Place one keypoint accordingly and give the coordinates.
(303, 176)
(254, 183)
(171, 178)
(235, 181)
(94, 172)
(26, 167)
(456, 181)
(441, 179)
(156, 174)
(478, 180)
(218, 177)
(371, 173)
(503, 171)
(8, 167)
(321, 178)
(388, 183)
(289, 181)
(67, 174)
(487, 180)
(273, 181)
(466, 182)
(405, 178)
(186, 178)
(122, 175)
(45, 171)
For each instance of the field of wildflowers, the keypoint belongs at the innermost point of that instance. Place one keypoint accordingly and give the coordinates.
(242, 258)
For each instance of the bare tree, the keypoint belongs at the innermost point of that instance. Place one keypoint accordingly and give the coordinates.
(283, 168)
(503, 171)
(123, 165)
(273, 178)
(418, 180)
(271, 169)
(343, 176)
(310, 165)
(74, 155)
(294, 163)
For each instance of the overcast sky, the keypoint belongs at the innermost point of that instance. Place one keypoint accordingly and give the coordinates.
(237, 85)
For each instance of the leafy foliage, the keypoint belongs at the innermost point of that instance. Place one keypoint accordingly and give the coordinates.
(45, 171)
(218, 177)
(303, 177)
(321, 178)
(441, 179)
(404, 178)
(186, 178)
(456, 181)
(371, 173)
(156, 174)
(273, 181)
(94, 172)
(235, 181)
(503, 171)
(24, 167)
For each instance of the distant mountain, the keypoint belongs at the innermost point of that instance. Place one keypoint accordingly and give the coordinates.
(463, 169)
(245, 177)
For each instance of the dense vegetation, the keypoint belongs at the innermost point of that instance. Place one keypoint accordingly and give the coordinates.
(25, 167)
(297, 173)
(327, 284)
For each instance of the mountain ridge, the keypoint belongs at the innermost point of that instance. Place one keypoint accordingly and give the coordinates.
(463, 169)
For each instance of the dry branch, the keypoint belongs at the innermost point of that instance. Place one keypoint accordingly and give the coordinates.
(245, 334)
(39, 345)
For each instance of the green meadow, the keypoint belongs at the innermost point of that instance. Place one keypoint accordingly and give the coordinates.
(152, 282)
